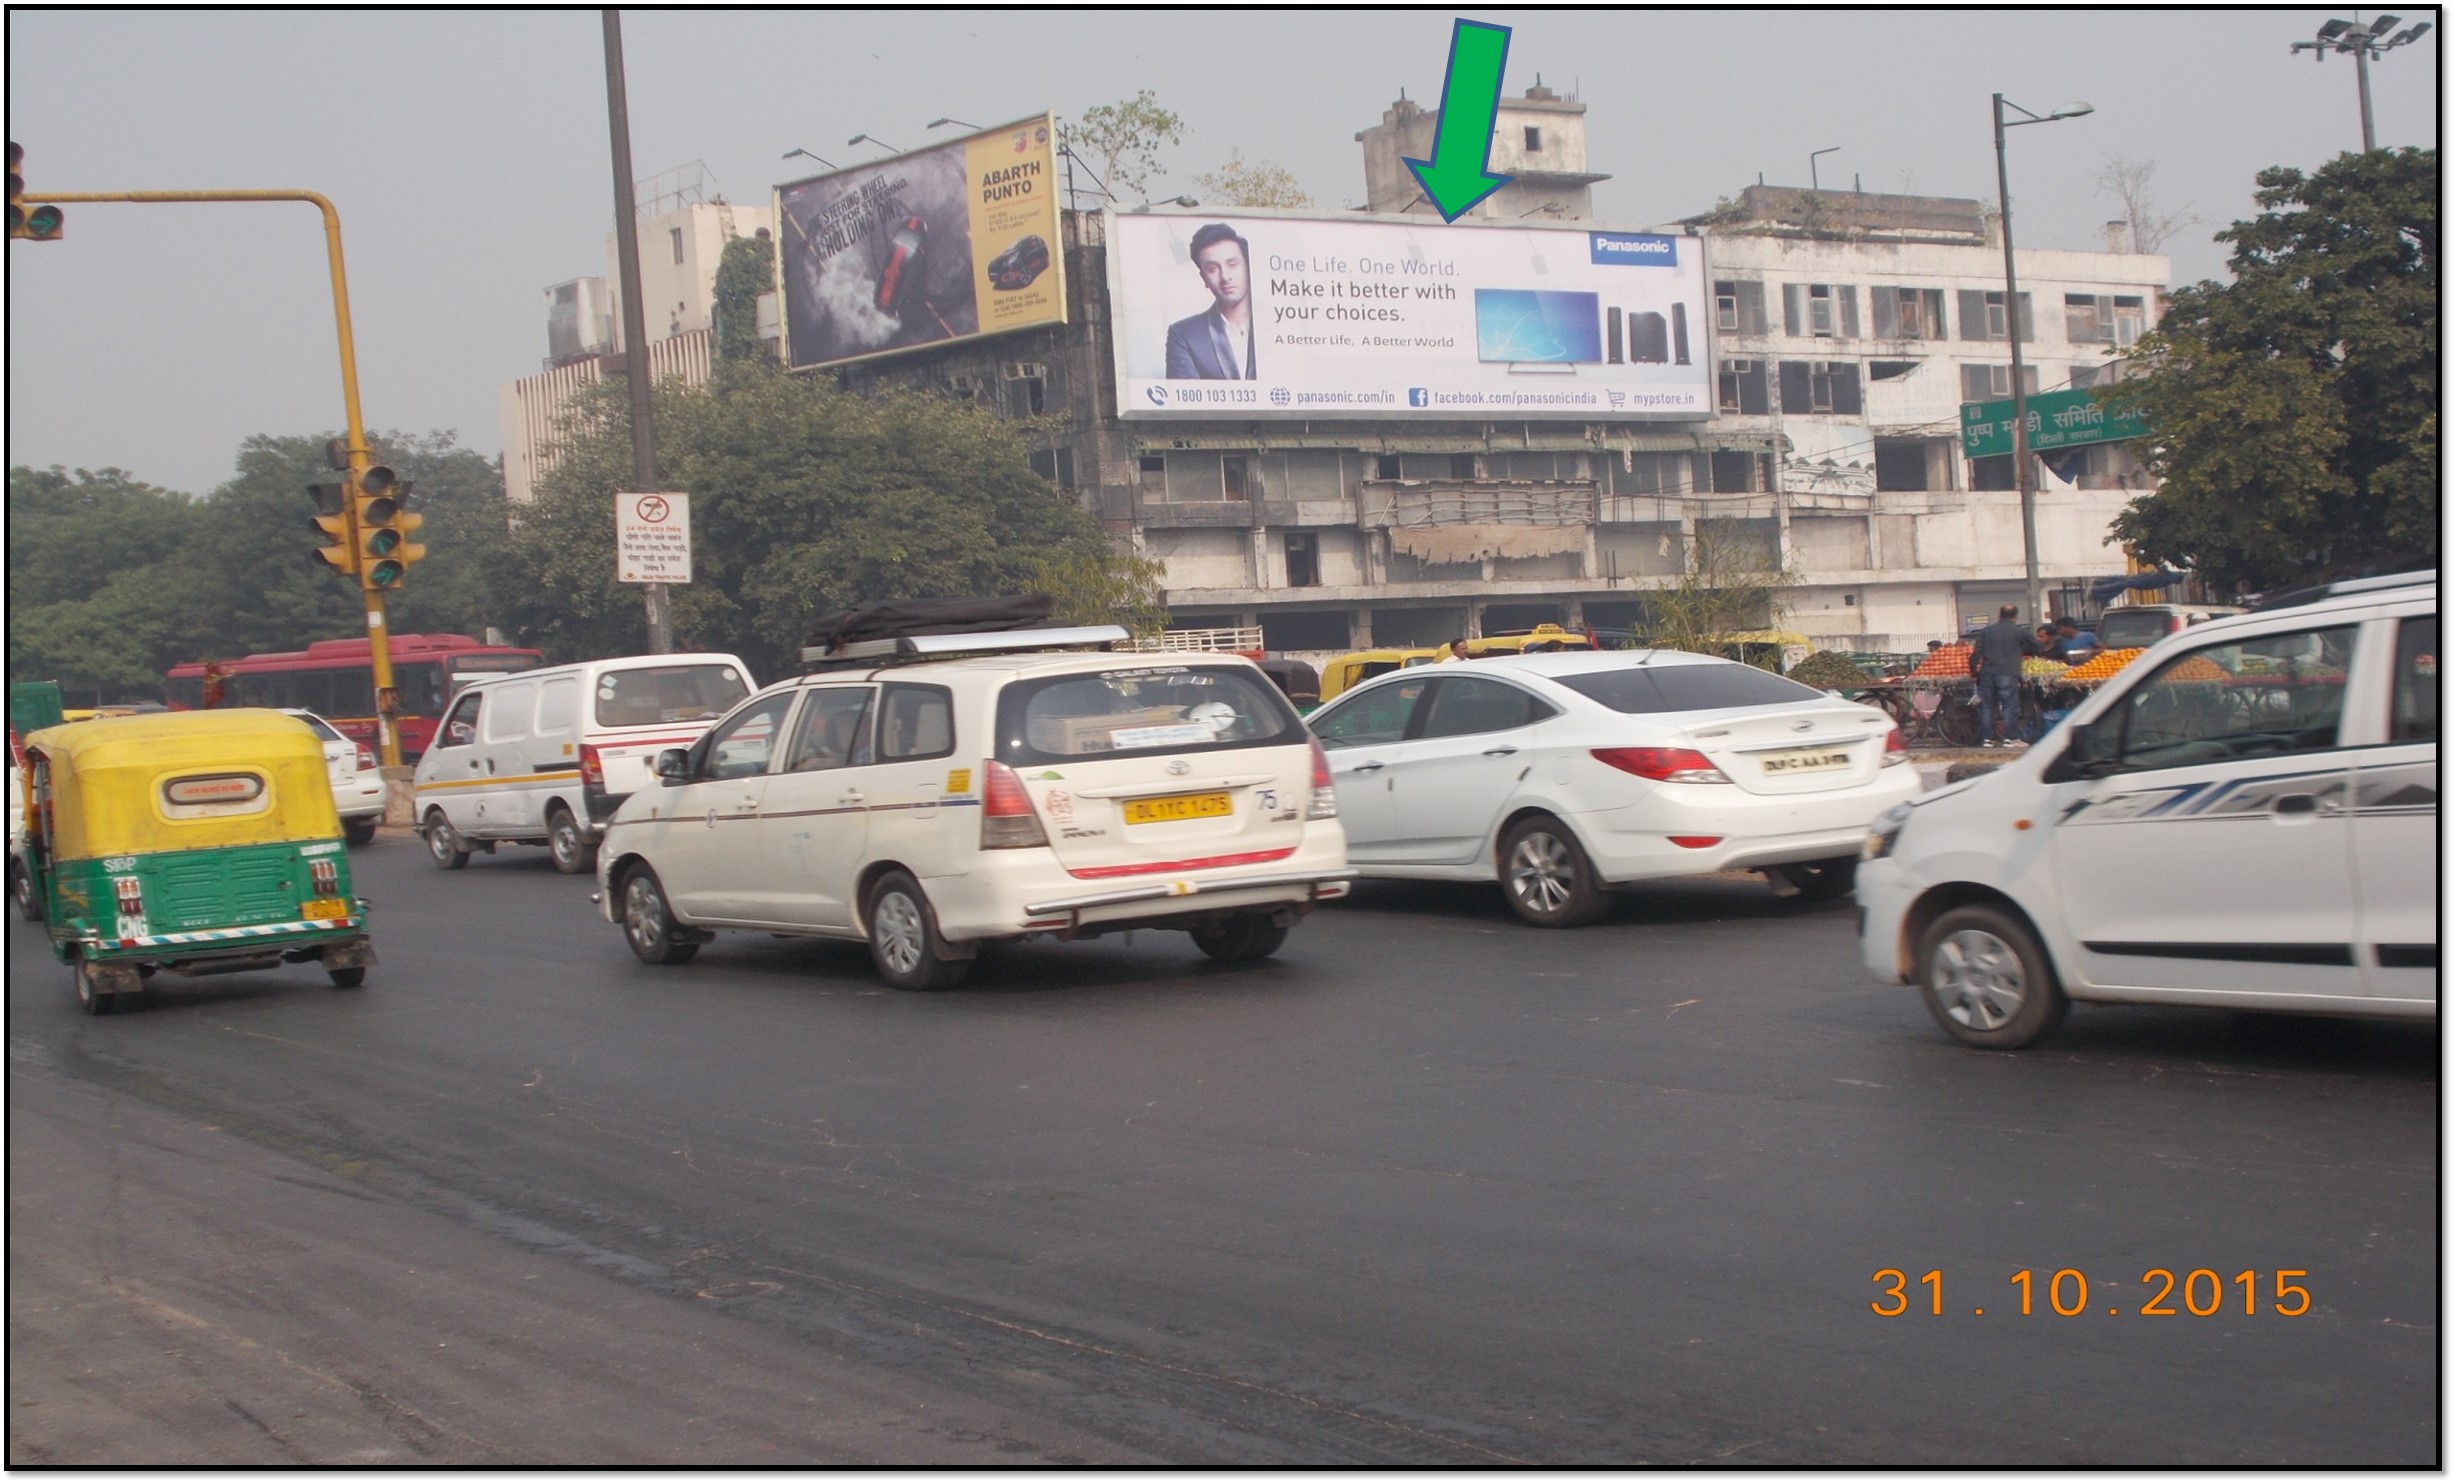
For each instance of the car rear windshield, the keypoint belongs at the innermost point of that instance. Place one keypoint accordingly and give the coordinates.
(322, 728)
(663, 694)
(2134, 630)
(1140, 712)
(1641, 688)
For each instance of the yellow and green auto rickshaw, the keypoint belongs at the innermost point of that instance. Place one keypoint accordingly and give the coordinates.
(198, 842)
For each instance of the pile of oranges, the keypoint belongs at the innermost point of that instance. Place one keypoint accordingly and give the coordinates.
(2104, 665)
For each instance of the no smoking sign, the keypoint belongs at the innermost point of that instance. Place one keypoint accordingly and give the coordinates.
(652, 537)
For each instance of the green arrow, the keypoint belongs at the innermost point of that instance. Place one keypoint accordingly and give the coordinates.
(1454, 179)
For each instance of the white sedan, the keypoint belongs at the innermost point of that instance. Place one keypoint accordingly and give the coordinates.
(1565, 775)
(359, 791)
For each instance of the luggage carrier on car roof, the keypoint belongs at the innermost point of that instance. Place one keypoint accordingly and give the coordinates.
(917, 629)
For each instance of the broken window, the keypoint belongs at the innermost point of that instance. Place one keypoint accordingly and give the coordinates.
(1151, 476)
(2103, 319)
(1993, 472)
(1236, 473)
(1303, 559)
(1534, 140)
(1912, 463)
(1649, 474)
(1907, 314)
(1385, 466)
(1889, 370)
(1993, 383)
(1983, 316)
(1056, 465)
(1027, 394)
(1743, 387)
(1739, 306)
(1736, 473)
(1821, 386)
(1827, 309)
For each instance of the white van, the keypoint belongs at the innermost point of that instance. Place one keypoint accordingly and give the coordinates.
(544, 757)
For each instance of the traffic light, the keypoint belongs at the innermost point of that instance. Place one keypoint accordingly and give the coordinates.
(385, 529)
(29, 223)
(332, 519)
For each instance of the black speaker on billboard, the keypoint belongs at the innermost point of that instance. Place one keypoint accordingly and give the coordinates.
(1611, 321)
(1679, 334)
(1649, 338)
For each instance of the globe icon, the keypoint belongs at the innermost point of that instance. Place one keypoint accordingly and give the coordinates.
(1281, 396)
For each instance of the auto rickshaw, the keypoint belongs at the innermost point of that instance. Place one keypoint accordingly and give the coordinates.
(197, 842)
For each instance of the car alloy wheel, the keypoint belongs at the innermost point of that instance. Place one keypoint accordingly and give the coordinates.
(899, 932)
(572, 853)
(647, 923)
(1547, 877)
(1986, 980)
(1978, 978)
(904, 941)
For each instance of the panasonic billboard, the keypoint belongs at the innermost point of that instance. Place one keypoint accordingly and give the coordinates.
(1248, 315)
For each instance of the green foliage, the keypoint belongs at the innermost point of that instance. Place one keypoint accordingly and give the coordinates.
(1731, 581)
(111, 581)
(2296, 409)
(1829, 669)
(804, 499)
(1125, 140)
(745, 271)
(1254, 183)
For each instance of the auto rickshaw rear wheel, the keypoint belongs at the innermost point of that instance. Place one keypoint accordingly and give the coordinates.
(90, 998)
(21, 891)
(346, 978)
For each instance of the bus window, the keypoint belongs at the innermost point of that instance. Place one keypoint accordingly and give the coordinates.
(349, 693)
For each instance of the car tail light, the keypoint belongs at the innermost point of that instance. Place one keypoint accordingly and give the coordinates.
(1696, 842)
(1663, 764)
(131, 893)
(1325, 797)
(1007, 820)
(1896, 747)
(325, 877)
(366, 758)
(592, 767)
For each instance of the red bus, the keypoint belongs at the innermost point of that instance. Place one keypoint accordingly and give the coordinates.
(335, 679)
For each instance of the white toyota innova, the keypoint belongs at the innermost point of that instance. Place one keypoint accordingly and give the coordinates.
(929, 804)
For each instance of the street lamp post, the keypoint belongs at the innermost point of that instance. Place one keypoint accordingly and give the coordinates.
(2023, 476)
(2364, 40)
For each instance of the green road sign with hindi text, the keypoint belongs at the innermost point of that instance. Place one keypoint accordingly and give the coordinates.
(2056, 420)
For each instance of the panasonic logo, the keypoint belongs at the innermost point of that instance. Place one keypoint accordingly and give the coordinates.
(1633, 249)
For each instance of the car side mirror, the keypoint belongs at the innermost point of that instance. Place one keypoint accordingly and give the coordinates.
(2088, 752)
(673, 765)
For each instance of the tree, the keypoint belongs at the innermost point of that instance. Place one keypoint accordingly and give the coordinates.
(112, 581)
(2127, 181)
(2295, 410)
(746, 270)
(1125, 138)
(1731, 581)
(804, 499)
(1257, 183)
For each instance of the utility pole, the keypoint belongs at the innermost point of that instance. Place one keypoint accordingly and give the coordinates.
(634, 308)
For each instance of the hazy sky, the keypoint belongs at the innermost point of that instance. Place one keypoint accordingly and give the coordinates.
(467, 153)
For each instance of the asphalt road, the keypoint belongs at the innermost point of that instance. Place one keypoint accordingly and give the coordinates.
(1429, 1188)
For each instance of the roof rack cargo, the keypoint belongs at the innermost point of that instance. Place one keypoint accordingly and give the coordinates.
(913, 629)
(2301, 595)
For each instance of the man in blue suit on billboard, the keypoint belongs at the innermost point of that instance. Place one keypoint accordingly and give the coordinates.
(1217, 344)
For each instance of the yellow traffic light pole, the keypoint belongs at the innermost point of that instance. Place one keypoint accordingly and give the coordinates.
(361, 457)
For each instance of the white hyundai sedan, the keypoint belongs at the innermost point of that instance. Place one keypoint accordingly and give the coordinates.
(1563, 776)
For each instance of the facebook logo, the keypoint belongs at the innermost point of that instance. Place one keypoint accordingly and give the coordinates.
(1633, 249)
(1419, 396)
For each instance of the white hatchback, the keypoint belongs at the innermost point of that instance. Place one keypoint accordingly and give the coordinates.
(1565, 775)
(359, 791)
(931, 806)
(2245, 817)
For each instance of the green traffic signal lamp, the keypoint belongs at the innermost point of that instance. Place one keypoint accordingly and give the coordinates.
(29, 223)
(332, 521)
(385, 528)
